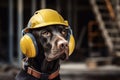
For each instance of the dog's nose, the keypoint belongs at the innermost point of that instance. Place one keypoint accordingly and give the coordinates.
(62, 44)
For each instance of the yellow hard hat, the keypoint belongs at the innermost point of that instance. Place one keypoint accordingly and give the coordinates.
(45, 17)
(42, 18)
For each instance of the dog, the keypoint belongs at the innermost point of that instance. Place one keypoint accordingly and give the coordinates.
(46, 40)
(53, 45)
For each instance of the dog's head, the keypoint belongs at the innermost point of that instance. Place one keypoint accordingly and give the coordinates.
(48, 29)
(54, 41)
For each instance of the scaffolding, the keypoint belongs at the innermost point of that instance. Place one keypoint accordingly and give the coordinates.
(20, 7)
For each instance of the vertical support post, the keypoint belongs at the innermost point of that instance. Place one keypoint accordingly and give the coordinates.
(33, 7)
(43, 4)
(10, 29)
(69, 12)
(117, 11)
(75, 18)
(20, 25)
(58, 5)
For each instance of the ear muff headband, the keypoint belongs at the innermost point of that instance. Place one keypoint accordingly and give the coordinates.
(28, 45)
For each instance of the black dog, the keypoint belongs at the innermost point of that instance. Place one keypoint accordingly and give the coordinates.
(53, 46)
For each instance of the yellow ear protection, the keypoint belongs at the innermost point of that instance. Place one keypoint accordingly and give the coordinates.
(71, 40)
(43, 18)
(28, 45)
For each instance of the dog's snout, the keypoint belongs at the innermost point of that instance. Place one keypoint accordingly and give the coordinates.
(62, 44)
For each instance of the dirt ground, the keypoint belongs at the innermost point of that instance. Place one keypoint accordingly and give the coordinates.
(70, 72)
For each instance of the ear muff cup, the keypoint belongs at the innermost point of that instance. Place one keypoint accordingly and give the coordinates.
(71, 41)
(28, 45)
(71, 44)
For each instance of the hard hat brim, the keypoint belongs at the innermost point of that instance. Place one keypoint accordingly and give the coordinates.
(44, 25)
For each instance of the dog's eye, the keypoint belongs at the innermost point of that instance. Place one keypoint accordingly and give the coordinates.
(64, 32)
(46, 33)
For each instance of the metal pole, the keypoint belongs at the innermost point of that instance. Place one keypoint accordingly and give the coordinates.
(11, 31)
(33, 6)
(58, 5)
(75, 19)
(69, 12)
(20, 25)
(43, 4)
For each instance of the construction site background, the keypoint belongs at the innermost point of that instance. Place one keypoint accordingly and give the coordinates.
(96, 28)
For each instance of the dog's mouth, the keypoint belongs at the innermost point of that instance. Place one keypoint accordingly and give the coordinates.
(63, 55)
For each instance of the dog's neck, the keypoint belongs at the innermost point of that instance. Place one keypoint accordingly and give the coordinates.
(50, 66)
(44, 66)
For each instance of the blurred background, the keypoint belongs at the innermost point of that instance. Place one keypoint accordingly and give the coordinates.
(96, 28)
